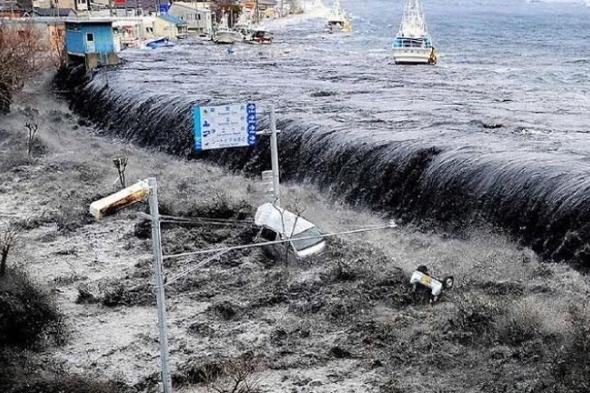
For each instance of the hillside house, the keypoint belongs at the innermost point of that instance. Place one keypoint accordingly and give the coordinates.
(91, 41)
(170, 27)
(198, 20)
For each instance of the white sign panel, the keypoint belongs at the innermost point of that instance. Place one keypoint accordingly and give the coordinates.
(220, 127)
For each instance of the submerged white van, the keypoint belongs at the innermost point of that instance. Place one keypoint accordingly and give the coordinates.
(280, 224)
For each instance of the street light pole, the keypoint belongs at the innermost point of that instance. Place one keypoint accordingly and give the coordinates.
(160, 296)
(274, 157)
(126, 197)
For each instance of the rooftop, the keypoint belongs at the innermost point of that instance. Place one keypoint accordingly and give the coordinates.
(172, 19)
(89, 21)
(61, 12)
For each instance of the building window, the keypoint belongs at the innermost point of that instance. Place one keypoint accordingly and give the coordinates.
(89, 37)
(149, 29)
(199, 16)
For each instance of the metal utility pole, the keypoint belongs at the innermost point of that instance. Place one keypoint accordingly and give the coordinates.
(160, 296)
(274, 157)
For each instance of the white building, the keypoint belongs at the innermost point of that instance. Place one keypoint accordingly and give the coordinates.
(197, 17)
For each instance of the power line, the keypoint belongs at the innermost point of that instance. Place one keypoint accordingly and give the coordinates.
(253, 245)
(199, 220)
(197, 266)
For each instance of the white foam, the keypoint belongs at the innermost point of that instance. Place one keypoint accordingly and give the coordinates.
(312, 9)
(583, 2)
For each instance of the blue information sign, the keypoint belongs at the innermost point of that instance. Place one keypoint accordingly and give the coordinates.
(224, 126)
(164, 8)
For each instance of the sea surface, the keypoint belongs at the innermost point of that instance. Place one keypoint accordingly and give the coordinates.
(500, 127)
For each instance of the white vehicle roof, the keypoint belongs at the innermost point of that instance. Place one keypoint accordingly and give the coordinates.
(288, 225)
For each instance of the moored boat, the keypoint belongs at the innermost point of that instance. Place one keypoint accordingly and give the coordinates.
(413, 43)
(338, 21)
(260, 36)
(224, 35)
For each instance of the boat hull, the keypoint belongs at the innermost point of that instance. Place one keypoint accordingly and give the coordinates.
(339, 26)
(227, 37)
(412, 56)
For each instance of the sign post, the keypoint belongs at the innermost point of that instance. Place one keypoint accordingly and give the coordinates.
(225, 126)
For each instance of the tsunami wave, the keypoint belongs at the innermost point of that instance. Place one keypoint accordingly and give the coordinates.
(482, 137)
(536, 197)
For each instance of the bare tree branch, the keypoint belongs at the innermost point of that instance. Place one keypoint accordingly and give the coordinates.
(8, 238)
(20, 59)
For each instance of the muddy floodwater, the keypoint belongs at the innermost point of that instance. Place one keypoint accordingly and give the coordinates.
(497, 131)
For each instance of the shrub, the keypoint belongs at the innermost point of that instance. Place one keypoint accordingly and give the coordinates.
(8, 237)
(238, 377)
(474, 319)
(196, 372)
(19, 49)
(70, 383)
(116, 293)
(220, 205)
(27, 312)
(32, 129)
(70, 218)
(235, 375)
(519, 324)
(571, 365)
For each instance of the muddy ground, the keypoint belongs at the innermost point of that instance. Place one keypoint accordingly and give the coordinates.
(346, 321)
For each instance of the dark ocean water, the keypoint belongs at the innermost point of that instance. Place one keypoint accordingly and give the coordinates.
(498, 130)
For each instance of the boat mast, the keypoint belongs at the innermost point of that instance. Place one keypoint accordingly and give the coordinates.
(413, 22)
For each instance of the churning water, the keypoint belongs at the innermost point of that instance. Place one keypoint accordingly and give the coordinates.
(497, 131)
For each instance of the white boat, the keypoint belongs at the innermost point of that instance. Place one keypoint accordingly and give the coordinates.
(244, 25)
(338, 21)
(225, 35)
(413, 44)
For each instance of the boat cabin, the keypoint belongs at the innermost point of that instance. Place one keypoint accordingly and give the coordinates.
(407, 42)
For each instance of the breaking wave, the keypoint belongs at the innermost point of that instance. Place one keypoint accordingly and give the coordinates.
(472, 140)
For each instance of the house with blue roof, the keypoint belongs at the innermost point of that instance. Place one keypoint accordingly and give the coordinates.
(170, 26)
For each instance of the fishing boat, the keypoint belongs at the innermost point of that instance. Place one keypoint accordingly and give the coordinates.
(260, 36)
(413, 44)
(338, 21)
(225, 35)
(155, 43)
